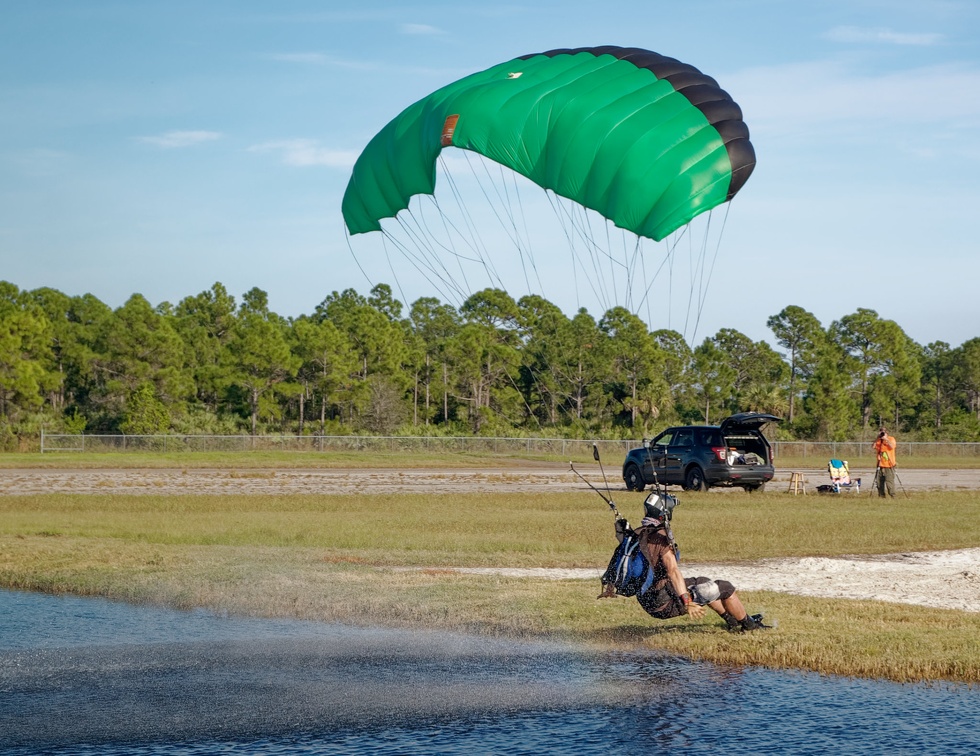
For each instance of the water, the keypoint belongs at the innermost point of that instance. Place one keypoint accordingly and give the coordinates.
(84, 676)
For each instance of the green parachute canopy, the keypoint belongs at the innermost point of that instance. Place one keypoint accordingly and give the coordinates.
(645, 140)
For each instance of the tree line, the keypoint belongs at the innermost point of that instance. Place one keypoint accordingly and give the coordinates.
(494, 366)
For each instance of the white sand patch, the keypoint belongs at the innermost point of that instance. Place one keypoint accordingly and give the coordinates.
(940, 579)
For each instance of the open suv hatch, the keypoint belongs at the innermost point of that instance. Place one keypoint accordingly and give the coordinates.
(696, 457)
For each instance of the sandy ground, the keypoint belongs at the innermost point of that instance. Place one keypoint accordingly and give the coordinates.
(542, 479)
(940, 579)
(948, 579)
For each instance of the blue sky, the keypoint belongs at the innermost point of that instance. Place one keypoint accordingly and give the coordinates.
(159, 147)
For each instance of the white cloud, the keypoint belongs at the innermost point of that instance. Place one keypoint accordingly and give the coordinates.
(307, 152)
(849, 34)
(423, 29)
(174, 139)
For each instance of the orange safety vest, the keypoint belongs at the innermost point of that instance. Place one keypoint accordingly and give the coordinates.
(885, 447)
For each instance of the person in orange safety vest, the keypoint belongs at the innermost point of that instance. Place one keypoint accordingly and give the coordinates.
(884, 447)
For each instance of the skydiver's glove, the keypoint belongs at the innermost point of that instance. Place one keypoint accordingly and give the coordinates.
(622, 527)
(608, 591)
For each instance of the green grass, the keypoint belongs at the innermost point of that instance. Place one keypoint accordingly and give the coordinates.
(540, 530)
(247, 460)
(339, 558)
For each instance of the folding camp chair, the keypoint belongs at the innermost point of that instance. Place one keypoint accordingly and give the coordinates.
(840, 477)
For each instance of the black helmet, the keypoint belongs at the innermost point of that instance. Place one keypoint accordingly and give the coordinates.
(659, 508)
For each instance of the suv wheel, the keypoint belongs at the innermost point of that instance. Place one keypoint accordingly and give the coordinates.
(634, 478)
(694, 479)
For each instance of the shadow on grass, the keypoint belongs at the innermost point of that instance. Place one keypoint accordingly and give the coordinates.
(639, 633)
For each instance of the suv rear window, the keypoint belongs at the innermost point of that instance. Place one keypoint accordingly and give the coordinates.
(709, 437)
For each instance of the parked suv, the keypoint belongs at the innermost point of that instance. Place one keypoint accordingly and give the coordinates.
(697, 457)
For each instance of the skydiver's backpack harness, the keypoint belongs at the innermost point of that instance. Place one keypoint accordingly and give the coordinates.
(629, 571)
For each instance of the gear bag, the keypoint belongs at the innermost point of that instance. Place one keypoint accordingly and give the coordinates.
(629, 571)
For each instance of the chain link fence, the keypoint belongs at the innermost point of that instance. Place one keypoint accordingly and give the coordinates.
(476, 445)
(819, 451)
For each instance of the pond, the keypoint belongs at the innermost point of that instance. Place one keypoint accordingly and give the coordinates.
(88, 676)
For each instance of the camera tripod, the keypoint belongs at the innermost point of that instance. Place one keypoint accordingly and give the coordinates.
(878, 474)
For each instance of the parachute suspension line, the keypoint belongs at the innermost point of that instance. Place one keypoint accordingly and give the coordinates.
(448, 229)
(597, 279)
(669, 259)
(485, 259)
(521, 244)
(702, 271)
(609, 243)
(469, 238)
(567, 225)
(587, 225)
(638, 257)
(565, 351)
(714, 259)
(394, 275)
(569, 241)
(697, 266)
(627, 303)
(567, 215)
(357, 262)
(650, 281)
(692, 270)
(527, 237)
(423, 252)
(418, 254)
(630, 263)
(506, 215)
(506, 211)
(630, 260)
(411, 254)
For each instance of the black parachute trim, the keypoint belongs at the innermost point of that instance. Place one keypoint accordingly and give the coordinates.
(703, 92)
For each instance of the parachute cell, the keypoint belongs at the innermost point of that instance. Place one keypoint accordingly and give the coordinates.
(645, 140)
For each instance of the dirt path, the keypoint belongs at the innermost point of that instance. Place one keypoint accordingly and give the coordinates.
(347, 481)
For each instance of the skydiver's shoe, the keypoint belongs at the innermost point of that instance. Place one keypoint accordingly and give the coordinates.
(754, 622)
(749, 624)
(732, 624)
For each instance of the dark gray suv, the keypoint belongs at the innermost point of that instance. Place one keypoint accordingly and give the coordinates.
(696, 457)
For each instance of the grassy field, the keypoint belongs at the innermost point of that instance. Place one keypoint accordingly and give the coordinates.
(383, 560)
(395, 460)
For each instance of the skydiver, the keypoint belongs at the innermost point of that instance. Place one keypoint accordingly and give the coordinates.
(670, 594)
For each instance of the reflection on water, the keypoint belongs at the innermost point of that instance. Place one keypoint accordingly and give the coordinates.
(84, 676)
